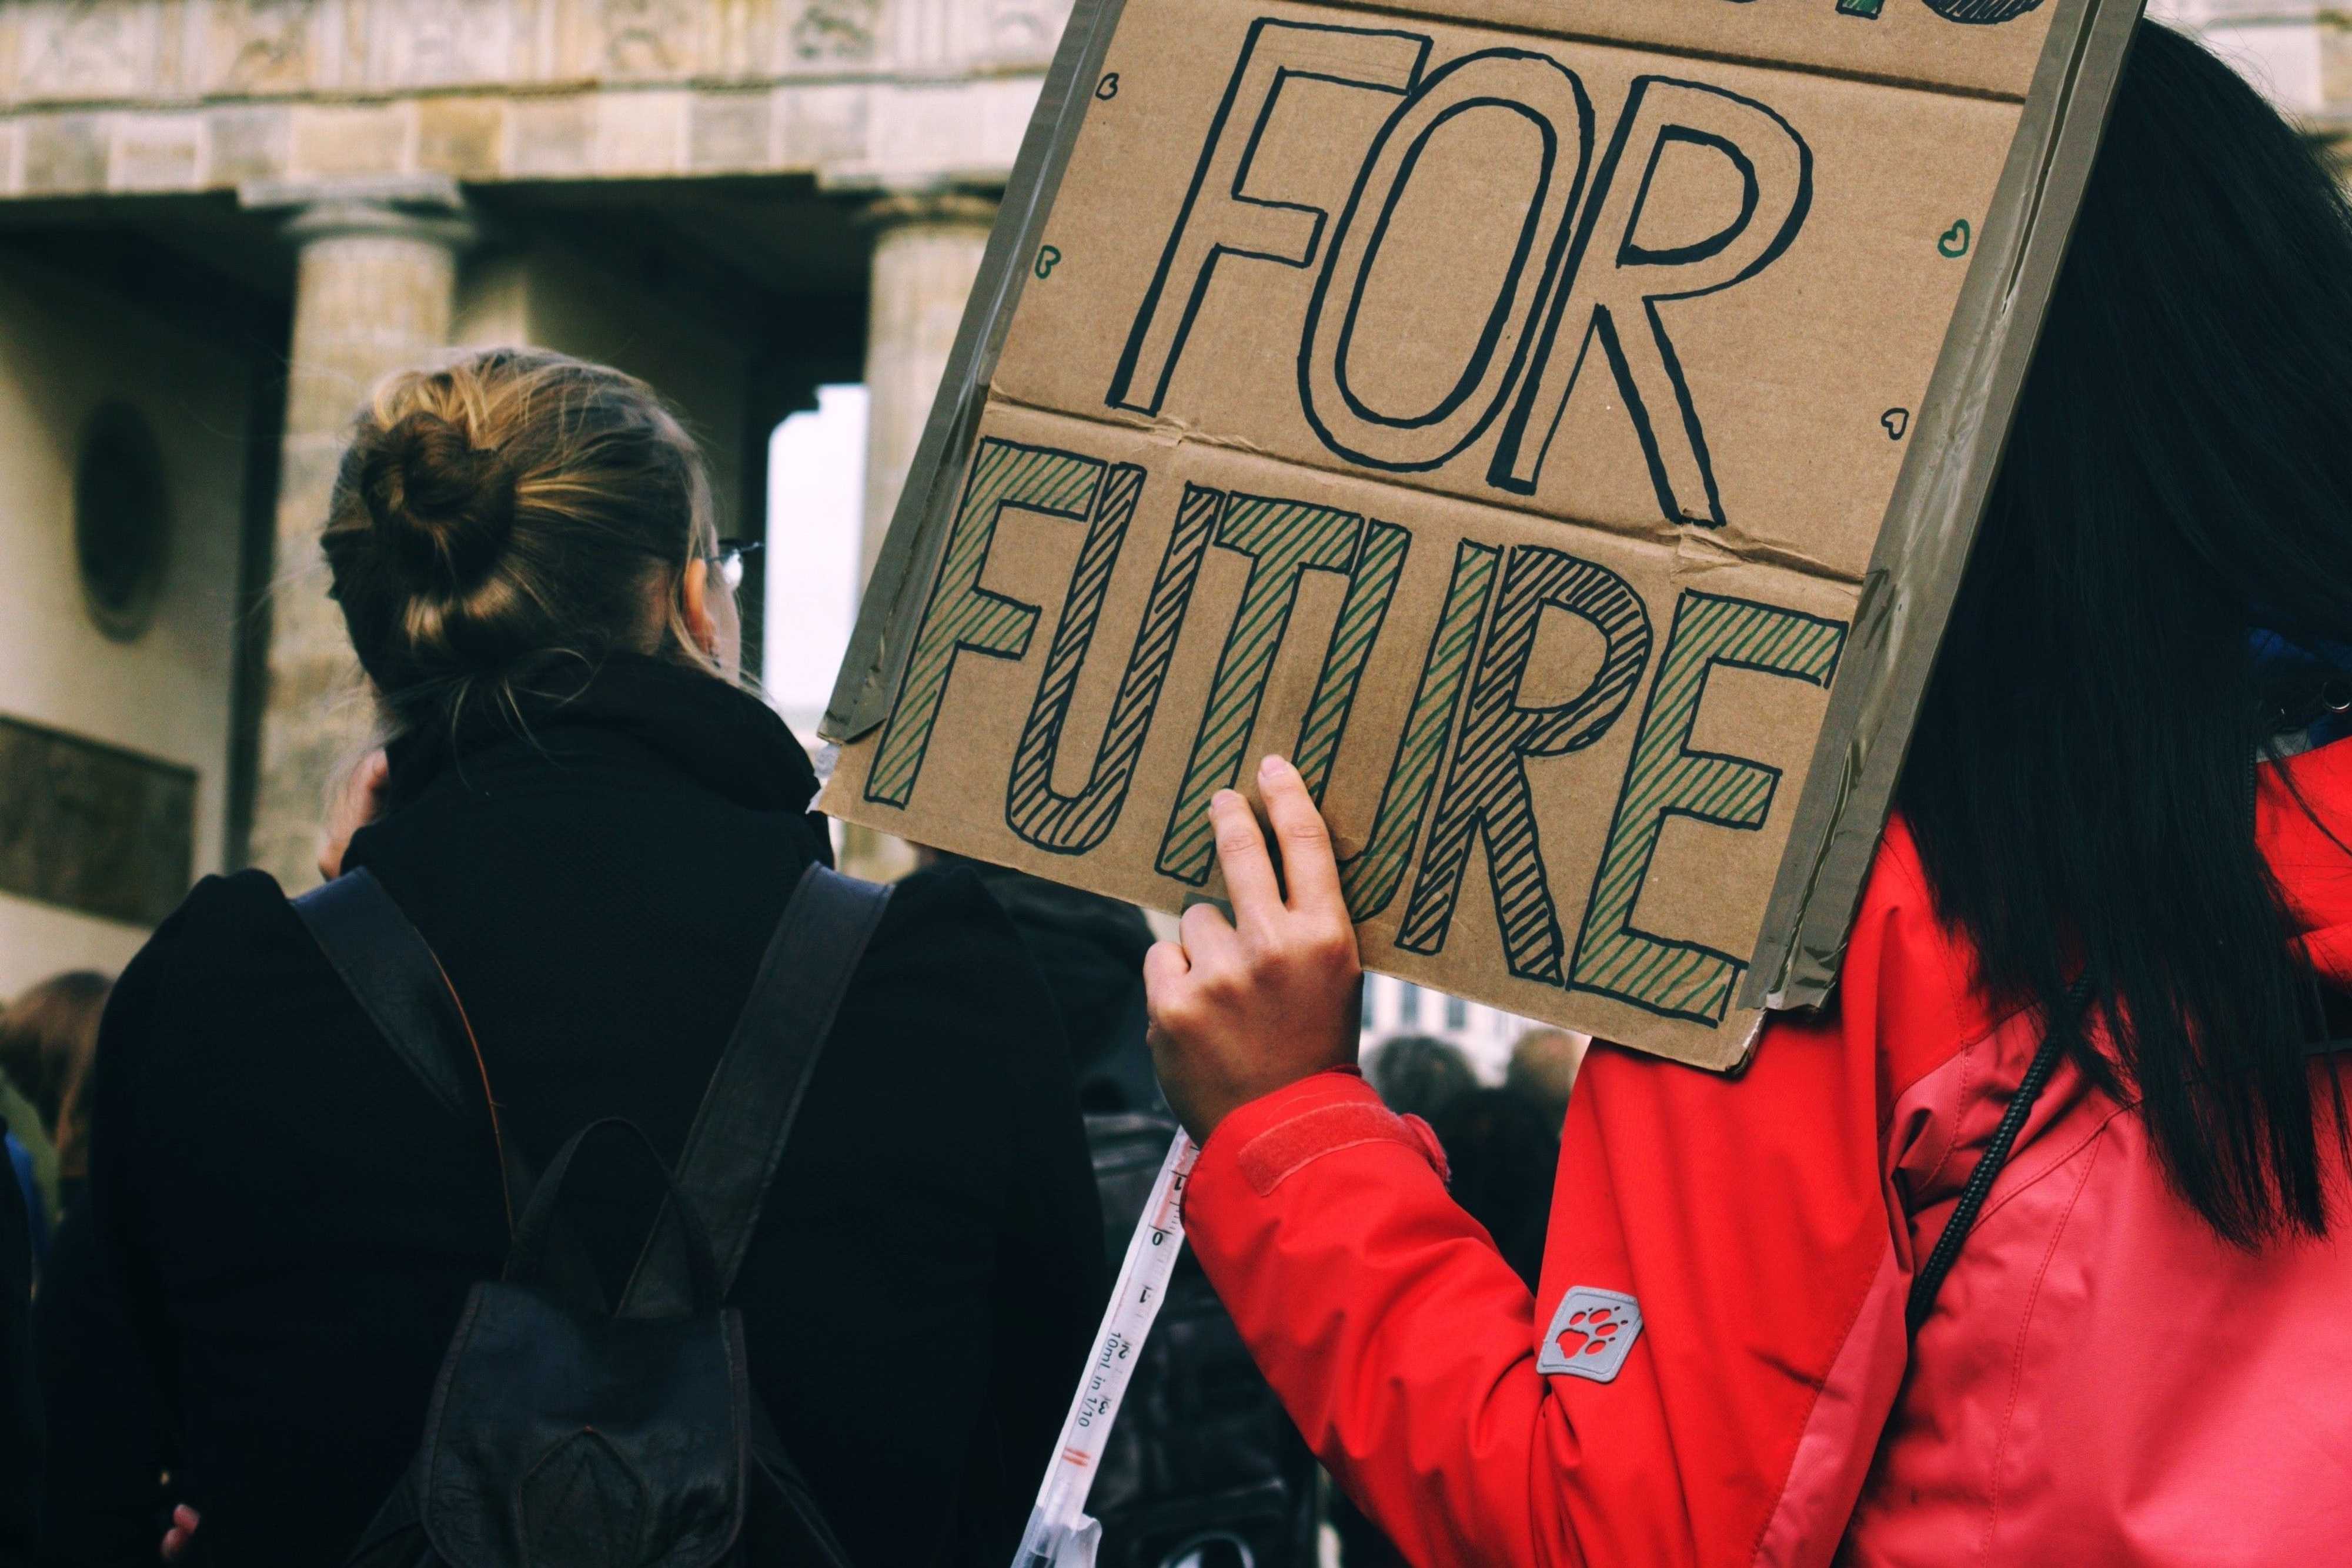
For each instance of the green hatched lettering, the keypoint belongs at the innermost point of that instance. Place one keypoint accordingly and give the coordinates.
(962, 617)
(1486, 799)
(1665, 777)
(1371, 878)
(1073, 824)
(1284, 541)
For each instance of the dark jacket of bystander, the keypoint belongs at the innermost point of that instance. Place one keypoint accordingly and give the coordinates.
(19, 1429)
(290, 1225)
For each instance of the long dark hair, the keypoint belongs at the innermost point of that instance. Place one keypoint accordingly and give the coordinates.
(2082, 784)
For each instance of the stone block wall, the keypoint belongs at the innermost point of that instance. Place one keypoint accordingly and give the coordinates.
(141, 96)
(118, 750)
(2299, 52)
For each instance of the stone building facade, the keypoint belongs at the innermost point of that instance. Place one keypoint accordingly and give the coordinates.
(230, 216)
(220, 220)
(2298, 51)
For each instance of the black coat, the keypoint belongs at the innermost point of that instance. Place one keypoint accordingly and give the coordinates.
(292, 1227)
(19, 1452)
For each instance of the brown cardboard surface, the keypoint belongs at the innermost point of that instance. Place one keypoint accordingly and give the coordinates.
(1787, 375)
(1985, 46)
(1500, 423)
(1140, 574)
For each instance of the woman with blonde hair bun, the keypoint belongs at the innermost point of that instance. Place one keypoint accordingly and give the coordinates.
(596, 829)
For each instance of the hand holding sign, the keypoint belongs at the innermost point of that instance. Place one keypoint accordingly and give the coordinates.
(1241, 1010)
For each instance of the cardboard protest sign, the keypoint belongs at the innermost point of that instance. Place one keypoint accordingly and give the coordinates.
(1558, 426)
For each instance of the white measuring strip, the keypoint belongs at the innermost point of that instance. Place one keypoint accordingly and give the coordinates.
(1060, 1535)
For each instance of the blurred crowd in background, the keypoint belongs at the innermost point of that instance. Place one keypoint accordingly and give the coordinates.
(1203, 1470)
(49, 1037)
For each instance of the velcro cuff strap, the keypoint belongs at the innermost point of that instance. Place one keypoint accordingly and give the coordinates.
(1283, 1150)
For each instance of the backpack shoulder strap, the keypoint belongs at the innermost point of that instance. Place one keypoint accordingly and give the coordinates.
(386, 964)
(747, 1114)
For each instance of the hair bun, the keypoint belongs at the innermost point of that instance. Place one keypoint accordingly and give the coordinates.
(445, 506)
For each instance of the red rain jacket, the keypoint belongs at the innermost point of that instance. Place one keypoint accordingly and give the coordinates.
(2102, 1381)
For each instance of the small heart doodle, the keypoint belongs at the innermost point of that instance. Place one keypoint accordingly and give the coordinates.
(1897, 422)
(1048, 258)
(1954, 243)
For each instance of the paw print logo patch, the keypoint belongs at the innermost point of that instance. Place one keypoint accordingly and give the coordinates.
(1591, 1334)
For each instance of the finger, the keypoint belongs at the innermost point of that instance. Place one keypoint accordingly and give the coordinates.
(1207, 935)
(1164, 965)
(1308, 865)
(1241, 855)
(183, 1530)
(1165, 973)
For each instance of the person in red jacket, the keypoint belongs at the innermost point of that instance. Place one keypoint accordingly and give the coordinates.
(2126, 809)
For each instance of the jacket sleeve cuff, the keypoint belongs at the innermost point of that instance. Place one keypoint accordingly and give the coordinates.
(1276, 1136)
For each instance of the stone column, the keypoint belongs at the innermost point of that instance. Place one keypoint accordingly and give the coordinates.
(375, 287)
(927, 250)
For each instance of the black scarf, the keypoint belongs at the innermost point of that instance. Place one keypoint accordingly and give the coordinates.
(725, 739)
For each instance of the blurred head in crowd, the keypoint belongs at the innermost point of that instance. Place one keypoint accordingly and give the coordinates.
(1501, 1151)
(1543, 1069)
(516, 514)
(1418, 1074)
(47, 1038)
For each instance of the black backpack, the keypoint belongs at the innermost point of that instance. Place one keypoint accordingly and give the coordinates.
(563, 1433)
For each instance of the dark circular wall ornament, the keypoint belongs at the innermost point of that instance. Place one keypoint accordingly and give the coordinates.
(121, 520)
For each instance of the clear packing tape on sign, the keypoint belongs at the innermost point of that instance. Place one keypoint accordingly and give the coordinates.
(1560, 429)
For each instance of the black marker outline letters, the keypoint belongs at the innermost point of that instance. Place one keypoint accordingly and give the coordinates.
(961, 616)
(1073, 824)
(1579, 272)
(1549, 96)
(1486, 795)
(1777, 176)
(1227, 221)
(1665, 777)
